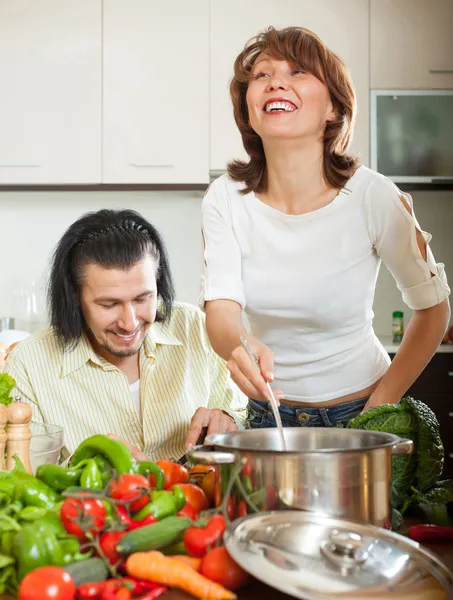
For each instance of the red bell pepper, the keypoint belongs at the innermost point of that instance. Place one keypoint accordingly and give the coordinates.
(420, 533)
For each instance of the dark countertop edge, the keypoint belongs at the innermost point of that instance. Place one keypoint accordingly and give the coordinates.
(108, 187)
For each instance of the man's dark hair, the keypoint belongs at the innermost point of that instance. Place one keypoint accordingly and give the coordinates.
(113, 239)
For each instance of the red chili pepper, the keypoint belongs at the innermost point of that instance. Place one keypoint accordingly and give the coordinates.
(131, 589)
(155, 593)
(419, 533)
(90, 591)
(127, 520)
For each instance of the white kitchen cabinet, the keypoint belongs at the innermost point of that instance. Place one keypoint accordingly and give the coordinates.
(156, 92)
(50, 104)
(411, 44)
(343, 26)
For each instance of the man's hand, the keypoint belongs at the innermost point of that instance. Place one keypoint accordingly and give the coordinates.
(213, 420)
(136, 453)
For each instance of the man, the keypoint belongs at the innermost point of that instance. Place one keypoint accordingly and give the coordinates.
(121, 357)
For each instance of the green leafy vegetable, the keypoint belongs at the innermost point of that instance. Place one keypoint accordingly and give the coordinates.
(7, 384)
(414, 477)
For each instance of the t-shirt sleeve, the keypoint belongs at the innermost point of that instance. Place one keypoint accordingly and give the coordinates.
(222, 262)
(393, 229)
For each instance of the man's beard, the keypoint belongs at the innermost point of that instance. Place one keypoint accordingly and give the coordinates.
(120, 353)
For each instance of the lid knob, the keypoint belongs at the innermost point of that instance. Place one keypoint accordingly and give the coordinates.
(345, 542)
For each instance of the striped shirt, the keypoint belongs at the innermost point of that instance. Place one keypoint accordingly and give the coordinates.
(85, 394)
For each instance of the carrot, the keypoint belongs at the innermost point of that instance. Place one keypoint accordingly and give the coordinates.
(166, 570)
(188, 560)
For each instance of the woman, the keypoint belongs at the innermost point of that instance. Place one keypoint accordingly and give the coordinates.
(295, 237)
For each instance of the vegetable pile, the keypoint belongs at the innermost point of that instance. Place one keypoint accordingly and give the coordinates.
(111, 528)
(415, 478)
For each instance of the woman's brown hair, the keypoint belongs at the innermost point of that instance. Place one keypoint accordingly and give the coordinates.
(301, 47)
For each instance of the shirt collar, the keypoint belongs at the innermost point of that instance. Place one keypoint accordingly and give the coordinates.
(77, 356)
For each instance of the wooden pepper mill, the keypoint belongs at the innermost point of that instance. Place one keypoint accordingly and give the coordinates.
(19, 434)
(3, 422)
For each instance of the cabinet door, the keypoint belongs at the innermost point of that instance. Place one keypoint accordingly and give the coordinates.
(156, 91)
(411, 44)
(50, 105)
(343, 26)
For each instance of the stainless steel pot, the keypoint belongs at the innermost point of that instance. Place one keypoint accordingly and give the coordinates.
(344, 473)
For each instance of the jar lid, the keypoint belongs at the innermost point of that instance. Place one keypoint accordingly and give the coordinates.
(398, 314)
(315, 557)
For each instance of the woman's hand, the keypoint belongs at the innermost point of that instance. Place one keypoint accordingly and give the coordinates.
(245, 374)
(136, 452)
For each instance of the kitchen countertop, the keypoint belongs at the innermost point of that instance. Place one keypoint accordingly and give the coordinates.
(391, 348)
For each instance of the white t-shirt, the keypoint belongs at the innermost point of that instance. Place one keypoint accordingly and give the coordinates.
(135, 392)
(307, 282)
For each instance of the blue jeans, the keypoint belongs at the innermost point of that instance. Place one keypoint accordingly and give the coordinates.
(259, 414)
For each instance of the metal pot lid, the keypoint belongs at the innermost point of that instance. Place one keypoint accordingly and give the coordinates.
(315, 557)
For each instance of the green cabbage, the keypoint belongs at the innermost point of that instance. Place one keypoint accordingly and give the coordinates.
(414, 477)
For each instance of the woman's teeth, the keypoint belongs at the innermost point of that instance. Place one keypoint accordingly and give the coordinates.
(284, 106)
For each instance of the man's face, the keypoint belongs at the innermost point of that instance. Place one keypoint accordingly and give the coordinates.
(119, 306)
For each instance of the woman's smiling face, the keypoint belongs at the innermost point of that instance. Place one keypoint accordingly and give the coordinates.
(286, 102)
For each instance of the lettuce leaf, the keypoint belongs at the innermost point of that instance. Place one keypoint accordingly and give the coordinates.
(7, 384)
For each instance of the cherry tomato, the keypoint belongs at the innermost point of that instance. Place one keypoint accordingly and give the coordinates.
(173, 473)
(218, 566)
(130, 486)
(208, 486)
(47, 583)
(90, 591)
(241, 509)
(199, 471)
(82, 515)
(195, 496)
(108, 542)
(187, 511)
(198, 540)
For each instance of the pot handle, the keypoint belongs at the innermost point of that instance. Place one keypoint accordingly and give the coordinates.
(200, 454)
(403, 447)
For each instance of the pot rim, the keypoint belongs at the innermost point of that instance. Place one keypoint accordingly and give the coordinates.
(215, 440)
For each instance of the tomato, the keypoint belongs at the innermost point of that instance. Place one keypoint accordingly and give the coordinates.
(188, 511)
(208, 486)
(242, 509)
(195, 496)
(199, 471)
(218, 566)
(130, 486)
(47, 583)
(90, 591)
(108, 542)
(82, 515)
(198, 540)
(173, 473)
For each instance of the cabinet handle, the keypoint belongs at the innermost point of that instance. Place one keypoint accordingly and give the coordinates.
(450, 454)
(441, 70)
(450, 414)
(150, 166)
(450, 373)
(18, 166)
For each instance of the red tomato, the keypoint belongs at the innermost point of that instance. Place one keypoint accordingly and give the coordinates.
(242, 509)
(198, 540)
(90, 591)
(195, 496)
(80, 516)
(208, 486)
(188, 511)
(199, 471)
(218, 566)
(173, 473)
(130, 486)
(108, 542)
(47, 583)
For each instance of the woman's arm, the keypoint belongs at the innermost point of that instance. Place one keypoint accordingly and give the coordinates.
(421, 339)
(225, 328)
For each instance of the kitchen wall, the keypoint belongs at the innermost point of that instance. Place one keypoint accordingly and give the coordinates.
(32, 222)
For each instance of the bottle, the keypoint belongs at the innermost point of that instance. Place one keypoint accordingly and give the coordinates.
(397, 326)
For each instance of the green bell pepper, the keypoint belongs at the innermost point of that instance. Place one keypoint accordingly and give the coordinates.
(58, 478)
(116, 453)
(147, 468)
(33, 492)
(164, 504)
(36, 545)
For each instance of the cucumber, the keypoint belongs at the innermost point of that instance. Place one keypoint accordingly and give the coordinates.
(90, 570)
(155, 536)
